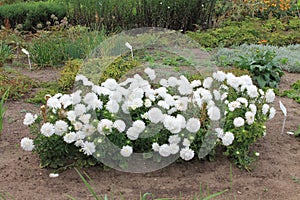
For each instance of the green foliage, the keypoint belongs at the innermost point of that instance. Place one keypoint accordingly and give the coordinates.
(68, 74)
(265, 71)
(3, 109)
(293, 93)
(39, 97)
(29, 14)
(5, 53)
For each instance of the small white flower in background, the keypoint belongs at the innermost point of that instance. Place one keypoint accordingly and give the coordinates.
(77, 125)
(79, 143)
(60, 127)
(265, 108)
(253, 108)
(147, 103)
(80, 77)
(186, 142)
(27, 144)
(174, 139)
(219, 76)
(172, 81)
(238, 122)
(193, 125)
(79, 109)
(126, 151)
(53, 175)
(187, 153)
(164, 150)
(29, 119)
(252, 91)
(207, 82)
(119, 125)
(234, 105)
(261, 92)
(150, 72)
(88, 148)
(228, 138)
(112, 106)
(70, 137)
(270, 96)
(54, 103)
(155, 147)
(174, 148)
(110, 84)
(47, 129)
(272, 113)
(214, 113)
(249, 117)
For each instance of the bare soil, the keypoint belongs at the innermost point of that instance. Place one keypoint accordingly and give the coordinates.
(270, 178)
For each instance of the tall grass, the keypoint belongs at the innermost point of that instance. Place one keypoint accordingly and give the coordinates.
(2, 109)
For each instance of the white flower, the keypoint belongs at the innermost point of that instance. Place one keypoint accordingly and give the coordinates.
(155, 147)
(163, 104)
(155, 115)
(193, 125)
(119, 125)
(80, 135)
(76, 97)
(29, 119)
(77, 125)
(214, 113)
(53, 103)
(172, 124)
(252, 91)
(88, 129)
(207, 82)
(172, 81)
(186, 142)
(270, 96)
(174, 148)
(90, 98)
(186, 153)
(174, 139)
(250, 117)
(164, 150)
(112, 106)
(70, 137)
(110, 84)
(66, 100)
(88, 148)
(233, 81)
(147, 103)
(238, 122)
(220, 132)
(246, 80)
(135, 103)
(133, 133)
(253, 108)
(27, 144)
(126, 151)
(71, 116)
(228, 138)
(195, 83)
(79, 109)
(47, 129)
(243, 101)
(185, 87)
(234, 105)
(272, 113)
(181, 104)
(150, 72)
(217, 94)
(265, 109)
(85, 118)
(163, 82)
(60, 127)
(105, 125)
(80, 77)
(139, 125)
(219, 76)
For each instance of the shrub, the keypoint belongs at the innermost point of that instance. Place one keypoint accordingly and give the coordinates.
(2, 109)
(5, 53)
(68, 74)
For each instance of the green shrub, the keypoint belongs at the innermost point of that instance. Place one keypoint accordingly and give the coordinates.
(5, 53)
(68, 74)
(29, 14)
(2, 109)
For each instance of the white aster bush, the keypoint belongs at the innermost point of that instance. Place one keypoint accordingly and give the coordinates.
(161, 119)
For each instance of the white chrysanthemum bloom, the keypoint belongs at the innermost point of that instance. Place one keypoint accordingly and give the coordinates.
(207, 82)
(29, 119)
(252, 91)
(172, 110)
(219, 76)
(77, 125)
(110, 84)
(155, 147)
(79, 109)
(105, 125)
(53, 103)
(265, 109)
(88, 148)
(205, 94)
(185, 87)
(172, 81)
(187, 153)
(164, 82)
(60, 127)
(70, 137)
(119, 125)
(117, 95)
(217, 95)
(133, 133)
(195, 83)
(174, 139)
(27, 144)
(137, 93)
(243, 101)
(163, 104)
(214, 113)
(193, 125)
(145, 116)
(238, 122)
(186, 142)
(139, 125)
(228, 138)
(253, 108)
(162, 91)
(76, 97)
(220, 132)
(180, 118)
(80, 135)
(246, 80)
(135, 103)
(79, 143)
(88, 129)
(147, 103)
(164, 150)
(182, 104)
(85, 118)
(57, 96)
(150, 72)
(233, 81)
(174, 148)
(89, 97)
(126, 151)
(169, 99)
(66, 100)
(71, 116)
(96, 104)
(125, 107)
(249, 117)
(272, 113)
(270, 96)
(80, 77)
(47, 129)
(233, 105)
(172, 124)
(112, 106)
(224, 96)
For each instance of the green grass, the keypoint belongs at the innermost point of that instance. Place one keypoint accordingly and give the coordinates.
(3, 109)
